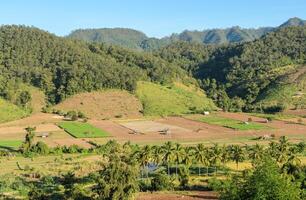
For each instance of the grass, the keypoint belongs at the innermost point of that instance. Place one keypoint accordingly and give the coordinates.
(176, 99)
(232, 123)
(82, 130)
(10, 144)
(9, 111)
(278, 116)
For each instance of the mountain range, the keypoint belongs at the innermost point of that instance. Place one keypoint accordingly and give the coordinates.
(134, 39)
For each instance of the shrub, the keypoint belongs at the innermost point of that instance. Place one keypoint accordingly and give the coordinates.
(183, 176)
(161, 181)
(40, 148)
(72, 115)
(81, 115)
(274, 108)
(214, 184)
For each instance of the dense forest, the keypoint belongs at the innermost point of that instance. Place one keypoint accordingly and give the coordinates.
(62, 67)
(241, 70)
(134, 39)
(232, 75)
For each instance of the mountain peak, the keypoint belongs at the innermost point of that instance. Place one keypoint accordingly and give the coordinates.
(295, 21)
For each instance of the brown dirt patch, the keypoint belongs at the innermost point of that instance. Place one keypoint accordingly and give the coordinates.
(33, 120)
(104, 104)
(150, 126)
(196, 195)
(298, 112)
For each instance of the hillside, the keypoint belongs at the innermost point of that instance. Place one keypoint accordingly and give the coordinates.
(238, 73)
(173, 99)
(134, 39)
(62, 67)
(289, 90)
(103, 104)
(118, 36)
(9, 111)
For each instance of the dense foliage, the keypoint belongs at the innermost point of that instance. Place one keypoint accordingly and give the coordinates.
(124, 170)
(234, 76)
(62, 67)
(242, 70)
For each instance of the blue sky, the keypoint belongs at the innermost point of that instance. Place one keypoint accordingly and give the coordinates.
(154, 17)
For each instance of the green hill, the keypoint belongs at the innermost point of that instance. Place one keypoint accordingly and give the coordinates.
(9, 111)
(172, 99)
(118, 36)
(289, 91)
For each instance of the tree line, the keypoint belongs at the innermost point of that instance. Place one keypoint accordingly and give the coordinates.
(128, 168)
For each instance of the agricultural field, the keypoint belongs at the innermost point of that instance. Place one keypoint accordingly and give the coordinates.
(232, 123)
(82, 130)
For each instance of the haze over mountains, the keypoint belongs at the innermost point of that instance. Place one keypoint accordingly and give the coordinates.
(135, 39)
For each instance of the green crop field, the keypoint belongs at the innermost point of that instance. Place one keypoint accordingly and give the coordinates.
(82, 130)
(232, 123)
(10, 144)
(176, 99)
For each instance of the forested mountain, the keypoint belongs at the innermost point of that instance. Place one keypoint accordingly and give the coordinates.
(118, 36)
(137, 40)
(234, 75)
(242, 71)
(62, 67)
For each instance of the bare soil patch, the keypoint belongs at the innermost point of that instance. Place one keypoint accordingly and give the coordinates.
(151, 126)
(104, 104)
(33, 120)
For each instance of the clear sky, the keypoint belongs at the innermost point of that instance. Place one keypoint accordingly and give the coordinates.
(154, 17)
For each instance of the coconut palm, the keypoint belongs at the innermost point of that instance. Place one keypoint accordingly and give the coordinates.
(157, 154)
(225, 154)
(256, 152)
(237, 154)
(201, 156)
(178, 153)
(168, 154)
(144, 156)
(283, 150)
(188, 156)
(215, 156)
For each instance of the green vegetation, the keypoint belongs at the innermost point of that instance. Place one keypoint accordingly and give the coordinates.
(278, 116)
(15, 144)
(122, 171)
(237, 77)
(172, 100)
(9, 111)
(82, 130)
(232, 123)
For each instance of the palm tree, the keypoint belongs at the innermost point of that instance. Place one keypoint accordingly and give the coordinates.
(225, 154)
(188, 157)
(144, 157)
(283, 149)
(216, 156)
(237, 154)
(157, 154)
(178, 155)
(256, 152)
(201, 156)
(168, 154)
